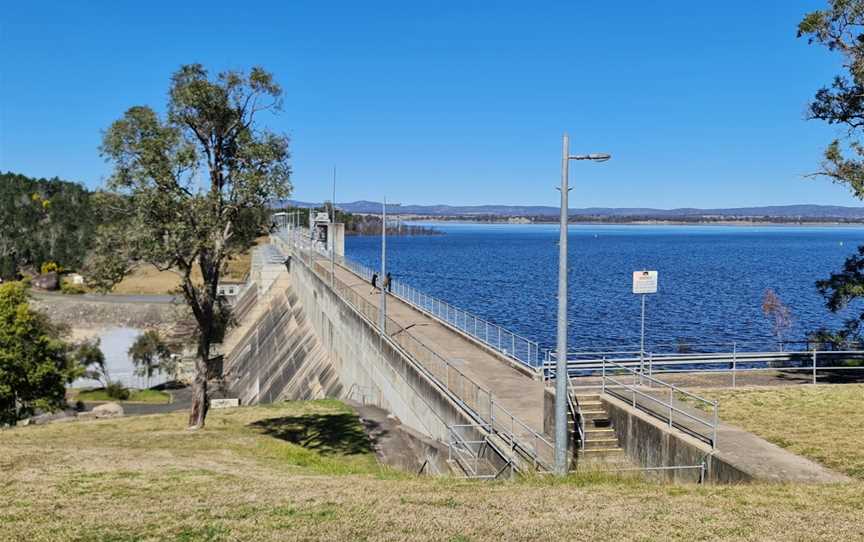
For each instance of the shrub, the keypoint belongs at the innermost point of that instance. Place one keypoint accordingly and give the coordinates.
(71, 289)
(116, 390)
(51, 267)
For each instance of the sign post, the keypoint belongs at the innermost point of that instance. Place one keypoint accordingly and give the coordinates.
(644, 282)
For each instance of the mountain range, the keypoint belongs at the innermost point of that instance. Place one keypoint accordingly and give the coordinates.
(806, 211)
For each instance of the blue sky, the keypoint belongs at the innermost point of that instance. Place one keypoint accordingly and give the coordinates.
(700, 103)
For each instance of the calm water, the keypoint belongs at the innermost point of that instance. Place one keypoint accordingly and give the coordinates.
(712, 278)
(115, 343)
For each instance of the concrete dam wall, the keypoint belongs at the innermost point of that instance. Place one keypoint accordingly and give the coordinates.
(303, 341)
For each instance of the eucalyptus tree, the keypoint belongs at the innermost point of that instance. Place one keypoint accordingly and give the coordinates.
(190, 190)
(840, 28)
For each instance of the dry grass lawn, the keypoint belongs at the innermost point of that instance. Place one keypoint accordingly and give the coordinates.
(303, 471)
(147, 280)
(824, 422)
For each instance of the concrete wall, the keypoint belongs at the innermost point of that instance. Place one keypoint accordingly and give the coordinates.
(362, 359)
(651, 443)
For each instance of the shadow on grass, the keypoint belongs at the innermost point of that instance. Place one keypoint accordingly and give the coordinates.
(328, 434)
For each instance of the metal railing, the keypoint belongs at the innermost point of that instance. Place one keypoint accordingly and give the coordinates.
(512, 345)
(733, 363)
(470, 454)
(660, 400)
(578, 418)
(517, 435)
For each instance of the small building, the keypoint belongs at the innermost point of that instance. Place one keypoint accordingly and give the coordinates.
(229, 288)
(75, 278)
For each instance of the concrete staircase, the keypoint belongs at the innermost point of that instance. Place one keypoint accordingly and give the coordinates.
(601, 450)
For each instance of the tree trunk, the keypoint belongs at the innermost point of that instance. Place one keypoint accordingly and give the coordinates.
(200, 399)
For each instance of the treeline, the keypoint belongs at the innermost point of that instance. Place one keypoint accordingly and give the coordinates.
(358, 224)
(43, 220)
(630, 219)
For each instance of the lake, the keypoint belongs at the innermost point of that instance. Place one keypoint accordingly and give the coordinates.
(711, 278)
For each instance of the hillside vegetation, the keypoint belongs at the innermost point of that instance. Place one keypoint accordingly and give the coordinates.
(305, 471)
(43, 220)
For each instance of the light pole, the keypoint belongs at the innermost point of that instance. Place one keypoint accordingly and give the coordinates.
(330, 233)
(561, 376)
(383, 311)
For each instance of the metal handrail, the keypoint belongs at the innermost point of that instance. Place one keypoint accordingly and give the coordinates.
(504, 426)
(669, 406)
(521, 349)
(578, 418)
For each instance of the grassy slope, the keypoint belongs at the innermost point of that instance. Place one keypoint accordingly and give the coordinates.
(147, 280)
(244, 478)
(824, 423)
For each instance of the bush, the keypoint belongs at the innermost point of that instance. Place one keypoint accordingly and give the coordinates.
(51, 267)
(71, 289)
(117, 390)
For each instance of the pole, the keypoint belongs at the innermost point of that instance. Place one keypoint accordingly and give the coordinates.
(383, 311)
(642, 343)
(561, 354)
(330, 237)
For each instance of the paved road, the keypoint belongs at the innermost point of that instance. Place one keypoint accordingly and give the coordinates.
(181, 399)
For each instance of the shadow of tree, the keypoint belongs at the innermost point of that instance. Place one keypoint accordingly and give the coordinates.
(328, 434)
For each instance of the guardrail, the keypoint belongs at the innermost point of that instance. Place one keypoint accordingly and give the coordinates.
(506, 342)
(478, 400)
(654, 401)
(732, 363)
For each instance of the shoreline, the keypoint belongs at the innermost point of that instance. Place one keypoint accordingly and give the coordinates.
(739, 223)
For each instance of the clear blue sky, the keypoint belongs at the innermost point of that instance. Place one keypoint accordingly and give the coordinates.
(462, 102)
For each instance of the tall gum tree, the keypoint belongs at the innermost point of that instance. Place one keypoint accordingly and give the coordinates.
(840, 28)
(192, 189)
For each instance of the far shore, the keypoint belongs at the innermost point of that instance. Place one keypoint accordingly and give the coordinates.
(742, 223)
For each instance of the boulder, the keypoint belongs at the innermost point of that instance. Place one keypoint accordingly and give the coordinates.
(48, 281)
(108, 410)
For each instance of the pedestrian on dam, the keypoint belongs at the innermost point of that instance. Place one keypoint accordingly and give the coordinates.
(374, 283)
(387, 285)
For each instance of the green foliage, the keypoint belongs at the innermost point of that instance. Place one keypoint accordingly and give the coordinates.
(50, 267)
(150, 355)
(34, 365)
(42, 220)
(91, 360)
(192, 189)
(71, 289)
(116, 390)
(839, 28)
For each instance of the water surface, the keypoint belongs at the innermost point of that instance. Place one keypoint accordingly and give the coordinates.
(712, 278)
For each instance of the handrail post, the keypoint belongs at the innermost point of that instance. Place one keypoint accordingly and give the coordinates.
(603, 376)
(814, 365)
(671, 397)
(716, 423)
(734, 361)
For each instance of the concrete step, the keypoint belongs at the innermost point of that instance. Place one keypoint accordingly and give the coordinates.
(603, 456)
(591, 415)
(602, 443)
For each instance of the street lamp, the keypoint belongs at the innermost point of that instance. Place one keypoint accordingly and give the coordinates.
(561, 376)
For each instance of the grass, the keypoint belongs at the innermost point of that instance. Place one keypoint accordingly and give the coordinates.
(147, 280)
(135, 396)
(824, 422)
(304, 471)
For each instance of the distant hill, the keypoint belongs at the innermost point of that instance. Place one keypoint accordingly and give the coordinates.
(788, 212)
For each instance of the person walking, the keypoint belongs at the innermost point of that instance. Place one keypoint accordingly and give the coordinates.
(387, 285)
(374, 283)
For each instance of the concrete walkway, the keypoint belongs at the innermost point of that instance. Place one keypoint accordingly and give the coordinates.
(520, 394)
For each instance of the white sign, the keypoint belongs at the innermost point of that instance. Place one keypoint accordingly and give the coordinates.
(644, 282)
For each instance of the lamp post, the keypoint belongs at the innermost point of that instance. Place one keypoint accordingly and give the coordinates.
(561, 376)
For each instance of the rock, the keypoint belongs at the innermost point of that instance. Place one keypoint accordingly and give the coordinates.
(52, 417)
(108, 410)
(48, 281)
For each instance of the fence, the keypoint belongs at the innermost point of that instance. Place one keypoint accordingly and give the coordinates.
(492, 335)
(735, 363)
(473, 397)
(661, 400)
